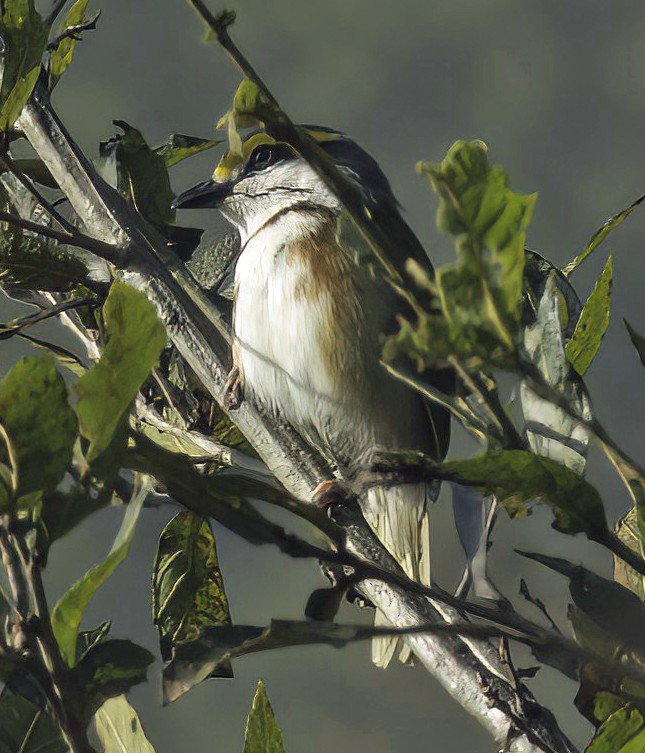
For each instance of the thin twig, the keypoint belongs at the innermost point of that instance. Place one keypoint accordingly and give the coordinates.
(111, 253)
(72, 32)
(8, 164)
(17, 326)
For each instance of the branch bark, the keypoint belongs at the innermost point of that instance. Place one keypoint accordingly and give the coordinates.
(470, 669)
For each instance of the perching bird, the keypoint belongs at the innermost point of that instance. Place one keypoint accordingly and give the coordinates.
(308, 316)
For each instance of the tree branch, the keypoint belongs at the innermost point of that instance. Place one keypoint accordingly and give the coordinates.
(470, 669)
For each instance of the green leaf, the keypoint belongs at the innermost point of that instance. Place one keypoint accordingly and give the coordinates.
(87, 639)
(68, 612)
(187, 585)
(142, 176)
(108, 669)
(622, 732)
(119, 729)
(517, 477)
(178, 147)
(134, 340)
(26, 727)
(605, 704)
(62, 56)
(263, 735)
(592, 324)
(40, 424)
(25, 36)
(637, 341)
(599, 236)
(483, 290)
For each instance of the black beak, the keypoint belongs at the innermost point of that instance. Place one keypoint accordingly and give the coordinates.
(204, 195)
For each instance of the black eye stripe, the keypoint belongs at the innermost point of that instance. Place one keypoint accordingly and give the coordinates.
(266, 155)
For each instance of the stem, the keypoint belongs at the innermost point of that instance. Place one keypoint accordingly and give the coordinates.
(17, 326)
(112, 253)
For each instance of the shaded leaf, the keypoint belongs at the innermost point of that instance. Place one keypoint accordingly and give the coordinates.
(68, 611)
(119, 729)
(62, 56)
(26, 727)
(516, 477)
(323, 603)
(134, 340)
(178, 147)
(599, 236)
(593, 322)
(622, 732)
(481, 294)
(142, 175)
(605, 704)
(613, 608)
(63, 511)
(108, 669)
(40, 424)
(263, 735)
(87, 639)
(187, 585)
(637, 341)
(25, 36)
(36, 170)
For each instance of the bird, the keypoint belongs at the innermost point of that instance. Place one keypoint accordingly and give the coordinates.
(310, 310)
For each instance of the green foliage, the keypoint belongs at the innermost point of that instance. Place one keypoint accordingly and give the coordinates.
(622, 732)
(27, 727)
(119, 729)
(68, 612)
(263, 735)
(25, 36)
(178, 147)
(481, 294)
(142, 176)
(517, 477)
(61, 56)
(628, 532)
(599, 236)
(134, 340)
(40, 429)
(593, 322)
(187, 585)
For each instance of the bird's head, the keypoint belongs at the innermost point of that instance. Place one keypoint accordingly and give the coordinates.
(268, 178)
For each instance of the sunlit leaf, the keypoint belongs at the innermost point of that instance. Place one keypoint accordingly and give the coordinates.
(599, 236)
(26, 727)
(622, 732)
(134, 339)
(25, 36)
(68, 612)
(178, 147)
(39, 422)
(628, 533)
(187, 585)
(263, 735)
(119, 729)
(62, 56)
(593, 322)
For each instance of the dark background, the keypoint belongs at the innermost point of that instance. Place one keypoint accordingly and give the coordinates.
(557, 89)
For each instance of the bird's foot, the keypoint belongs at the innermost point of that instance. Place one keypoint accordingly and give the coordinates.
(233, 389)
(330, 492)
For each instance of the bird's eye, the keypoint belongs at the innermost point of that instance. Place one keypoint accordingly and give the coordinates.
(262, 157)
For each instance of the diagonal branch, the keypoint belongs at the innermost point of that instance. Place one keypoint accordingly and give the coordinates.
(470, 669)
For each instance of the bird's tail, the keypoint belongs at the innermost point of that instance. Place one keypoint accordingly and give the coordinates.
(400, 519)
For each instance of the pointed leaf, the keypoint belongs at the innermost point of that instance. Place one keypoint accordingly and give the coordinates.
(263, 735)
(178, 147)
(62, 56)
(135, 339)
(599, 236)
(637, 341)
(622, 732)
(592, 324)
(188, 589)
(68, 612)
(119, 729)
(628, 532)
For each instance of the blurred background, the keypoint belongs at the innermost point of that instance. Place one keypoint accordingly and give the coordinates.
(557, 90)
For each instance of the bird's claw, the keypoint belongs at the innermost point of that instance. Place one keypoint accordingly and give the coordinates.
(233, 389)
